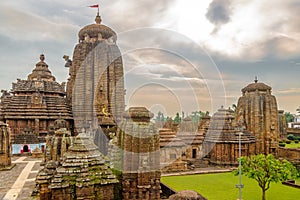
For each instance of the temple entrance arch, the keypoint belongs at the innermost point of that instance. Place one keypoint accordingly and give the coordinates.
(25, 148)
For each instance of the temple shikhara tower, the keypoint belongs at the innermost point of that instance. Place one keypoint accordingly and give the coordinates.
(34, 104)
(257, 111)
(95, 88)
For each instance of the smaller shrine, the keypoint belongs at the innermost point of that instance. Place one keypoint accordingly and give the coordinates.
(193, 139)
(82, 173)
(139, 140)
(221, 143)
(58, 144)
(171, 151)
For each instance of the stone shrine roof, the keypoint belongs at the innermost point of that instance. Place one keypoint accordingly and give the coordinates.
(82, 165)
(256, 86)
(40, 96)
(93, 30)
(223, 129)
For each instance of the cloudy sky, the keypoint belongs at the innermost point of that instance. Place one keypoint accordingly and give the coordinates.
(179, 55)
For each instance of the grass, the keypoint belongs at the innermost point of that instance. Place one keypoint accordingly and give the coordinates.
(222, 187)
(292, 145)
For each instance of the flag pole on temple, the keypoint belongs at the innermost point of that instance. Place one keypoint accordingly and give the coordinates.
(95, 6)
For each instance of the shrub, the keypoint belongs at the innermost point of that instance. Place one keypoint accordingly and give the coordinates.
(288, 142)
(296, 141)
(281, 144)
(291, 137)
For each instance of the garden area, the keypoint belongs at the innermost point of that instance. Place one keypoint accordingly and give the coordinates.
(291, 142)
(221, 186)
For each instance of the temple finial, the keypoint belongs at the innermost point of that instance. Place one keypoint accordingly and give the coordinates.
(98, 18)
(256, 80)
(42, 57)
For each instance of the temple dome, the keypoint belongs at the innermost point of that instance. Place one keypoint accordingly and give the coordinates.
(256, 86)
(93, 30)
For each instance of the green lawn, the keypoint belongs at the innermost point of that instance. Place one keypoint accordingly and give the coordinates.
(292, 145)
(222, 187)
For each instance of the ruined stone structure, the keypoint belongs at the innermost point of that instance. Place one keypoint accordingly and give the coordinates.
(221, 142)
(172, 150)
(58, 144)
(5, 147)
(257, 110)
(187, 195)
(83, 173)
(95, 88)
(139, 141)
(34, 104)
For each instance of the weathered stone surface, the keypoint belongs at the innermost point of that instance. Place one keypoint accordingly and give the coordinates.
(5, 147)
(82, 173)
(96, 86)
(221, 142)
(187, 195)
(257, 110)
(139, 141)
(171, 150)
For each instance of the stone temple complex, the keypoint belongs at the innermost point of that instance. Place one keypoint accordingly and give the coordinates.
(94, 149)
(257, 111)
(34, 104)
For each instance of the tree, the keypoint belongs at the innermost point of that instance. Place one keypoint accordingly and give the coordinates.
(289, 117)
(177, 119)
(266, 169)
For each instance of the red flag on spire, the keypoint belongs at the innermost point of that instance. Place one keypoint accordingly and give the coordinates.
(94, 6)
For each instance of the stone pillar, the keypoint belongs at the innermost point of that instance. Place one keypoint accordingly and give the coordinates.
(5, 146)
(141, 157)
(36, 127)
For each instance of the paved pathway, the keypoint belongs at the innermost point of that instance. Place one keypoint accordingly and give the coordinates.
(16, 188)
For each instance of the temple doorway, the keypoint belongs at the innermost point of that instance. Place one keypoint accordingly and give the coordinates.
(194, 153)
(25, 148)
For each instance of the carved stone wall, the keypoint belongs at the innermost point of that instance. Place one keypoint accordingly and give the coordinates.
(95, 88)
(82, 173)
(221, 142)
(5, 146)
(140, 155)
(257, 110)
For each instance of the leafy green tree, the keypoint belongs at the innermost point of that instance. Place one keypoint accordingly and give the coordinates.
(196, 116)
(266, 169)
(289, 117)
(160, 117)
(177, 119)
